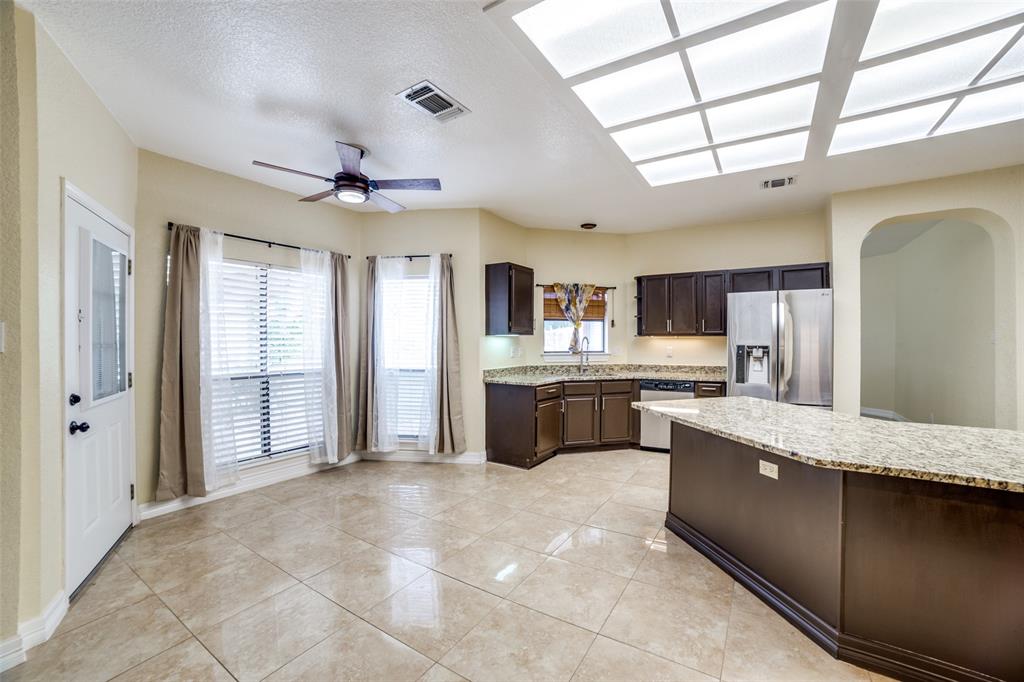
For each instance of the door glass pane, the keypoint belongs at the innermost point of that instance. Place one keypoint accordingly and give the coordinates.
(109, 289)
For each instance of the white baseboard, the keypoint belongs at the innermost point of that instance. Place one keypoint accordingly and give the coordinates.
(33, 632)
(249, 479)
(877, 413)
(416, 456)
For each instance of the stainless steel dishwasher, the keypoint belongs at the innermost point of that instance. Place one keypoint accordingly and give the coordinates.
(656, 432)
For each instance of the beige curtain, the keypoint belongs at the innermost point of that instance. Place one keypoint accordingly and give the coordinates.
(451, 432)
(181, 432)
(339, 299)
(365, 409)
(573, 300)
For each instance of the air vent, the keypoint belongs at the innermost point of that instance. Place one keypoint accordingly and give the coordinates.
(427, 97)
(776, 183)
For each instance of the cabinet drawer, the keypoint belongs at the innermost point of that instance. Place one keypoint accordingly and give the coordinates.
(710, 390)
(549, 391)
(580, 388)
(608, 387)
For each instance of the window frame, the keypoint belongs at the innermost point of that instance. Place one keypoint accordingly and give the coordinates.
(566, 353)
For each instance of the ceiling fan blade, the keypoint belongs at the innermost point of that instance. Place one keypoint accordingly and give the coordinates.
(415, 183)
(350, 157)
(291, 170)
(318, 196)
(385, 203)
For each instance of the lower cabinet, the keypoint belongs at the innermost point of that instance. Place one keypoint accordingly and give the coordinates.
(582, 421)
(616, 411)
(548, 427)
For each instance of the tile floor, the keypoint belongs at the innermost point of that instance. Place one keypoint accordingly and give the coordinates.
(396, 571)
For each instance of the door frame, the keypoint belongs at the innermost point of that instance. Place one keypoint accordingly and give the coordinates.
(70, 192)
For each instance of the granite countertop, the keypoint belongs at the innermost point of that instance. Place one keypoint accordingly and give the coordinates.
(984, 458)
(537, 375)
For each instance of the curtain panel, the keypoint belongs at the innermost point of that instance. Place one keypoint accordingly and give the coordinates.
(596, 308)
(573, 299)
(450, 430)
(366, 416)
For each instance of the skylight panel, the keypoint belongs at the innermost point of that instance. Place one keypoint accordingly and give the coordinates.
(696, 15)
(773, 151)
(783, 110)
(676, 134)
(904, 23)
(647, 89)
(886, 129)
(679, 169)
(772, 52)
(985, 109)
(930, 73)
(1011, 64)
(577, 35)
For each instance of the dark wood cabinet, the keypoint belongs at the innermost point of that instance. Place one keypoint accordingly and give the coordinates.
(653, 296)
(581, 425)
(509, 294)
(712, 288)
(709, 389)
(548, 427)
(683, 306)
(809, 276)
(615, 417)
(752, 279)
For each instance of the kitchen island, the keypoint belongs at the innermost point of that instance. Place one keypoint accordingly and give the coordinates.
(895, 546)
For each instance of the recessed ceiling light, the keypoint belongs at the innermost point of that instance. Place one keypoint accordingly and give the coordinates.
(773, 151)
(676, 134)
(903, 23)
(1010, 64)
(929, 73)
(576, 36)
(792, 108)
(893, 128)
(986, 108)
(772, 52)
(647, 89)
(697, 15)
(679, 169)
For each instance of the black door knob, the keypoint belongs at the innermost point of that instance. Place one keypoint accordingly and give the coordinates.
(74, 399)
(76, 427)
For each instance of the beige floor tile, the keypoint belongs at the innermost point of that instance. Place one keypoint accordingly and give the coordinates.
(164, 570)
(475, 515)
(653, 474)
(515, 493)
(364, 578)
(378, 522)
(296, 543)
(185, 661)
(224, 592)
(105, 647)
(432, 613)
(114, 586)
(642, 496)
(420, 499)
(611, 661)
(158, 535)
(572, 506)
(494, 566)
(577, 594)
(672, 563)
(686, 626)
(621, 518)
(338, 508)
(586, 484)
(429, 542)
(299, 491)
(237, 509)
(358, 652)
(517, 643)
(534, 531)
(763, 646)
(604, 549)
(259, 640)
(439, 673)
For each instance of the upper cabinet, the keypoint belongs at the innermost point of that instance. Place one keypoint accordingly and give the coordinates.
(694, 303)
(509, 294)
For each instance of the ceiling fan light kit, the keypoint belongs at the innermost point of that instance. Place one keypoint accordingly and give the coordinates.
(350, 186)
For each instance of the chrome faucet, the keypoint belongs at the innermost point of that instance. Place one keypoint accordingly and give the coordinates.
(584, 354)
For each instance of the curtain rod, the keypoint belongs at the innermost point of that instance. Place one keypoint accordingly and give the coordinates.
(415, 255)
(269, 244)
(596, 285)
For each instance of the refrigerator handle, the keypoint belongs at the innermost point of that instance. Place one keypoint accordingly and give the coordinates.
(775, 368)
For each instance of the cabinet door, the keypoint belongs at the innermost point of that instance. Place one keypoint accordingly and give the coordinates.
(549, 426)
(810, 276)
(520, 300)
(761, 279)
(683, 304)
(712, 303)
(654, 305)
(580, 421)
(615, 417)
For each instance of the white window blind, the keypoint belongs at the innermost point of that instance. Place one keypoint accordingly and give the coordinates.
(407, 328)
(264, 413)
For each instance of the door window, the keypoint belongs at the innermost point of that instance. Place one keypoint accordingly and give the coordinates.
(108, 328)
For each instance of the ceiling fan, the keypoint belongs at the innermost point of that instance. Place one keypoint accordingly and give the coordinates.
(352, 187)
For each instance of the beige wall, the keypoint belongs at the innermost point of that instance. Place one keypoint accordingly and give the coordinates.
(994, 200)
(176, 191)
(928, 327)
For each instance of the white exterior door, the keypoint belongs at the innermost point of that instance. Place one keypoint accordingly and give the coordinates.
(100, 450)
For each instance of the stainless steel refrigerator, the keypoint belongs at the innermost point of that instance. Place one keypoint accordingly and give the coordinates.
(780, 346)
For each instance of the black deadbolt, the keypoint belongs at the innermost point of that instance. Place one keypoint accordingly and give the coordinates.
(74, 399)
(76, 427)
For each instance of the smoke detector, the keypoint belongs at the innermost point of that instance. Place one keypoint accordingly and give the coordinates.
(776, 183)
(427, 97)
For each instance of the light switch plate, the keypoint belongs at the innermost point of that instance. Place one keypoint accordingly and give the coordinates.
(768, 469)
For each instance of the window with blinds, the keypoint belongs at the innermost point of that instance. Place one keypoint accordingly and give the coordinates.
(406, 332)
(558, 330)
(263, 413)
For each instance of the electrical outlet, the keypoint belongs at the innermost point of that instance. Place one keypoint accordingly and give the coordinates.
(768, 469)
(668, 351)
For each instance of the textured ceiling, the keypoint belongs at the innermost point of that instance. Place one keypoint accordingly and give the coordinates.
(221, 83)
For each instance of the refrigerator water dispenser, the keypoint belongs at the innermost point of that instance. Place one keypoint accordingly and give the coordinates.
(752, 363)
